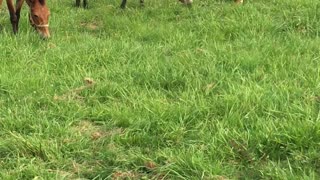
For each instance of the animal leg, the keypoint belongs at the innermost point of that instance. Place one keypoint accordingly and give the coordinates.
(123, 4)
(13, 16)
(85, 3)
(18, 10)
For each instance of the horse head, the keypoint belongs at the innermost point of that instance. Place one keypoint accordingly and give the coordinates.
(39, 16)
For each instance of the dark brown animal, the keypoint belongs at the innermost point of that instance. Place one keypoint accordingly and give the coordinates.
(124, 2)
(39, 15)
(85, 3)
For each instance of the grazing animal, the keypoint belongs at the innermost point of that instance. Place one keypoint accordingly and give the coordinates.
(85, 3)
(39, 15)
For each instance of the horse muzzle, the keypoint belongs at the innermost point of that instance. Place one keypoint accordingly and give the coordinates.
(44, 32)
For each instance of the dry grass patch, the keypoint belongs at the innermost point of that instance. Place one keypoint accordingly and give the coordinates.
(95, 132)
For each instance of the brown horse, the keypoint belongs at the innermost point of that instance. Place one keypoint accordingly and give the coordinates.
(39, 15)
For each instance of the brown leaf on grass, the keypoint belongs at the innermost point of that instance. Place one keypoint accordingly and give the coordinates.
(88, 81)
(150, 165)
(74, 93)
(96, 135)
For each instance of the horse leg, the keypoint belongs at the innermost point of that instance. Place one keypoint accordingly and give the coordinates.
(123, 4)
(13, 16)
(78, 3)
(18, 10)
(142, 3)
(85, 3)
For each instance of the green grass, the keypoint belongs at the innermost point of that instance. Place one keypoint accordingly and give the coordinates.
(217, 91)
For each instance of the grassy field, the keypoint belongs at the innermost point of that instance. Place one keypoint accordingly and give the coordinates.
(216, 91)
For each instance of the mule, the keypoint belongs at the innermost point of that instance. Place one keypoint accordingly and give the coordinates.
(38, 16)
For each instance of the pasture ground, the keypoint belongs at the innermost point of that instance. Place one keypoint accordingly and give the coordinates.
(217, 91)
